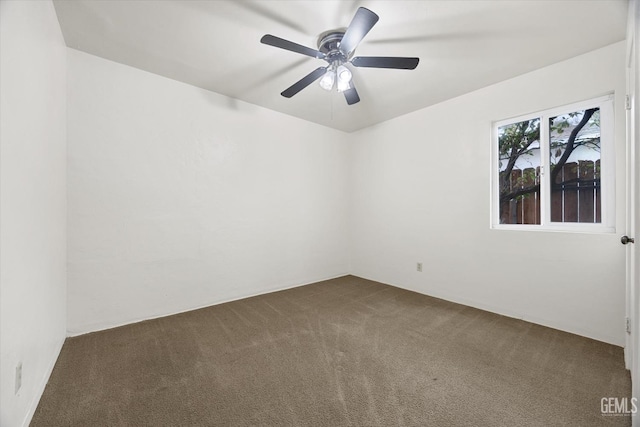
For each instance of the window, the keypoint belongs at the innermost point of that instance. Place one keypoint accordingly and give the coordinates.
(553, 170)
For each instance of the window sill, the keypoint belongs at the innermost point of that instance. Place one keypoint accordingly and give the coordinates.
(563, 228)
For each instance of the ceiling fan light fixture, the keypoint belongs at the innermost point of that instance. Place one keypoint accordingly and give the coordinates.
(343, 85)
(327, 81)
(344, 74)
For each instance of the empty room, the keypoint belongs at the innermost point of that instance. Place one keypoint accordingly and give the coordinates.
(319, 213)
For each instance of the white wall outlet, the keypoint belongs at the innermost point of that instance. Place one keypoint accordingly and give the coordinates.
(419, 267)
(18, 377)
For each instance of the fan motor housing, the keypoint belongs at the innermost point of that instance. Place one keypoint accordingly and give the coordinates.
(328, 44)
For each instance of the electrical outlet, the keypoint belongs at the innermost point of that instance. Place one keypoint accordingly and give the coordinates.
(18, 377)
(419, 267)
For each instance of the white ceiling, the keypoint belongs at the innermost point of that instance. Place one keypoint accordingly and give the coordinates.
(462, 46)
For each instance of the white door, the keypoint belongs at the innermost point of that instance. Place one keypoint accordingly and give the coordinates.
(632, 354)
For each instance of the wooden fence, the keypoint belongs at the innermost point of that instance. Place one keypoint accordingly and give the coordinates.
(575, 197)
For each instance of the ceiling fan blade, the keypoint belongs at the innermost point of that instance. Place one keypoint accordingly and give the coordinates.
(385, 62)
(351, 95)
(293, 47)
(304, 82)
(360, 25)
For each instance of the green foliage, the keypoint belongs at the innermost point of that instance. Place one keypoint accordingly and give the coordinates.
(518, 137)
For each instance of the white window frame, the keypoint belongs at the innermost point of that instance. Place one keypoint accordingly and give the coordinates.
(607, 170)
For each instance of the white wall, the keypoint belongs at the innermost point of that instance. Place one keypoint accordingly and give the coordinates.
(181, 198)
(421, 193)
(32, 202)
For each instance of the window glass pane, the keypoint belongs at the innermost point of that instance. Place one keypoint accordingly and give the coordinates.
(575, 167)
(519, 172)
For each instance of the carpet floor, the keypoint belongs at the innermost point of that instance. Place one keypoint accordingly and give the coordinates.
(343, 352)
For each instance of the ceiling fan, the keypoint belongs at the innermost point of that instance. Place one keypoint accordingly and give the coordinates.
(337, 48)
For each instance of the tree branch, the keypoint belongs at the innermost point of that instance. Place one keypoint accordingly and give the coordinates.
(572, 184)
(515, 153)
(571, 143)
(520, 192)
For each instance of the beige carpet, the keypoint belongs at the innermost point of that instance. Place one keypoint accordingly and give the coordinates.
(342, 352)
